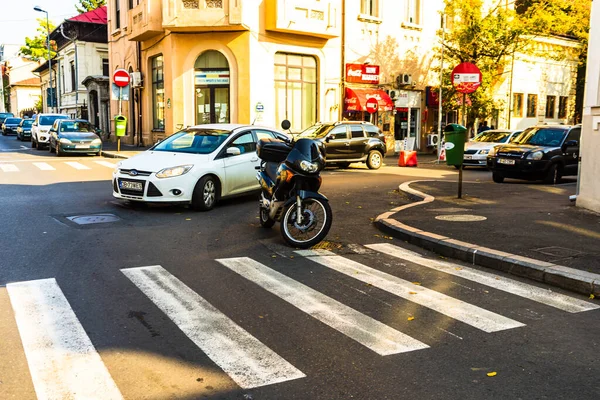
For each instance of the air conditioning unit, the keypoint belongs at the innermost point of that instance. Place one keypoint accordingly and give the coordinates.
(433, 139)
(136, 79)
(403, 80)
(393, 95)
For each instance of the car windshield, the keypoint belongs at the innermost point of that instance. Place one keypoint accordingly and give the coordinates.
(12, 120)
(195, 141)
(316, 131)
(27, 122)
(76, 126)
(492, 136)
(541, 137)
(49, 119)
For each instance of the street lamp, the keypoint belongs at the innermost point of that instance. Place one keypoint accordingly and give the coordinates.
(38, 8)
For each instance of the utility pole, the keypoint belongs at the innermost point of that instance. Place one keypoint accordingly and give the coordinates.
(439, 144)
(76, 88)
(51, 91)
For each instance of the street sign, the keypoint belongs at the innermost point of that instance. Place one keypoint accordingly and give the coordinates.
(372, 105)
(260, 107)
(466, 77)
(121, 78)
(119, 93)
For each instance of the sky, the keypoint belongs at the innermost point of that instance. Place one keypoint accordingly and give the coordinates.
(18, 18)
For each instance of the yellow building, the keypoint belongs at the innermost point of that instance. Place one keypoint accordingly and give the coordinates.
(211, 61)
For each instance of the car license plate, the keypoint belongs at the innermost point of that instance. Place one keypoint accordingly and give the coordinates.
(468, 157)
(131, 185)
(506, 161)
(82, 146)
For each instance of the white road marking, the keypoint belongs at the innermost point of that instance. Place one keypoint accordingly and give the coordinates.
(62, 360)
(9, 168)
(243, 357)
(472, 315)
(44, 166)
(76, 165)
(106, 164)
(531, 292)
(365, 330)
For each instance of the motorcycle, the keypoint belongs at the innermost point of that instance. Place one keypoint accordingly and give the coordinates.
(289, 176)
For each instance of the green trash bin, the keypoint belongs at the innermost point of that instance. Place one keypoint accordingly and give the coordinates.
(120, 125)
(455, 138)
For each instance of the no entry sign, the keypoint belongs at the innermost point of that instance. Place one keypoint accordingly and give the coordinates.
(372, 105)
(121, 78)
(466, 77)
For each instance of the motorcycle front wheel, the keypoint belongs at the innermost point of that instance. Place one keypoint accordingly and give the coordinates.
(314, 224)
(265, 221)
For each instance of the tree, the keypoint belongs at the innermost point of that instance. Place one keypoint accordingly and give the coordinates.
(37, 47)
(89, 5)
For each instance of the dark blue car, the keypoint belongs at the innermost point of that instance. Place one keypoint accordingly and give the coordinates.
(10, 125)
(24, 129)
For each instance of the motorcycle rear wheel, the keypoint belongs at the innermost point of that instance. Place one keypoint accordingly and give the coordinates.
(314, 226)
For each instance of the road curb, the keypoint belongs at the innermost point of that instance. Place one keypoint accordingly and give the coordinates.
(557, 275)
(110, 154)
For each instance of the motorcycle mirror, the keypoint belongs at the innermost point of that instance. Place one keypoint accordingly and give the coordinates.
(285, 125)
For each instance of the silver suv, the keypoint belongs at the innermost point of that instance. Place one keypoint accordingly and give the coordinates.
(40, 129)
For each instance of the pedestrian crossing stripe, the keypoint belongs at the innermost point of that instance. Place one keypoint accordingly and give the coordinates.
(44, 166)
(76, 165)
(467, 313)
(367, 331)
(540, 295)
(244, 358)
(9, 168)
(106, 164)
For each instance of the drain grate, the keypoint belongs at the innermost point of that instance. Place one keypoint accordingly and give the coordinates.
(461, 218)
(93, 219)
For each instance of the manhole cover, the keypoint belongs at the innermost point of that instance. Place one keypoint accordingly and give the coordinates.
(461, 218)
(557, 251)
(449, 209)
(93, 219)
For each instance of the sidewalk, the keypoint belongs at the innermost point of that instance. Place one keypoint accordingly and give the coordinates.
(109, 150)
(525, 229)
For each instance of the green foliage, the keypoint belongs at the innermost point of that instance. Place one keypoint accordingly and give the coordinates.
(89, 5)
(37, 48)
(39, 104)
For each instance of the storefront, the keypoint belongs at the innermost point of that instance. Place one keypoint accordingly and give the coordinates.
(211, 79)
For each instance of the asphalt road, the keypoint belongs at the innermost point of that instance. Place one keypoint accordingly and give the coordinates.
(233, 313)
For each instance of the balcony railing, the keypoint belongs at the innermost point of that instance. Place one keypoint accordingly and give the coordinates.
(145, 20)
(202, 15)
(304, 17)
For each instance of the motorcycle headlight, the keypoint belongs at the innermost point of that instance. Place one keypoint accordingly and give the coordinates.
(484, 151)
(96, 142)
(173, 171)
(536, 155)
(65, 141)
(308, 166)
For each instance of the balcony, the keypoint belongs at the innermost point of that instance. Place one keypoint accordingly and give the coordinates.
(202, 15)
(304, 17)
(145, 20)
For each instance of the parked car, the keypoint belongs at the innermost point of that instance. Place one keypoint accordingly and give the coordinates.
(74, 136)
(9, 126)
(543, 152)
(24, 129)
(349, 141)
(5, 115)
(41, 127)
(199, 166)
(476, 150)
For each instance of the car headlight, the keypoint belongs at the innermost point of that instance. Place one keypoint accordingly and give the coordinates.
(96, 142)
(484, 151)
(173, 171)
(65, 141)
(43, 130)
(308, 166)
(536, 155)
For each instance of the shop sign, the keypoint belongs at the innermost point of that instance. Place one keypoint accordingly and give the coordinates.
(212, 78)
(408, 98)
(362, 73)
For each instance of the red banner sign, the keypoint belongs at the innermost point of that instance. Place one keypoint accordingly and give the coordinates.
(362, 73)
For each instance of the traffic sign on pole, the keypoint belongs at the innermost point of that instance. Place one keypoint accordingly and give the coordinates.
(121, 77)
(466, 77)
(372, 105)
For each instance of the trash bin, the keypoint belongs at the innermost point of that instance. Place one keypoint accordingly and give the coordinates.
(455, 138)
(120, 125)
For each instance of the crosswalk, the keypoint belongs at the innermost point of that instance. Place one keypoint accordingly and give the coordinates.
(64, 363)
(14, 167)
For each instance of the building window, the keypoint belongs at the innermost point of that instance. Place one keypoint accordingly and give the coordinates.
(158, 94)
(562, 107)
(413, 11)
(73, 83)
(105, 67)
(550, 106)
(531, 105)
(296, 89)
(369, 7)
(117, 14)
(517, 110)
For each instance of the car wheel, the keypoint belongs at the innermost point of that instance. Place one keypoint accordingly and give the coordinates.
(205, 194)
(33, 146)
(49, 146)
(374, 160)
(59, 153)
(554, 175)
(497, 177)
(343, 165)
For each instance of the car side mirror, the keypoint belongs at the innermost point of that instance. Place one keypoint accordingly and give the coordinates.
(327, 138)
(233, 151)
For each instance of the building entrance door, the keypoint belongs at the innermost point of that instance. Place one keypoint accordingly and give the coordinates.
(212, 105)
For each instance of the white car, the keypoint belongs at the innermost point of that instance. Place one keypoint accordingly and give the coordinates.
(198, 166)
(477, 149)
(40, 128)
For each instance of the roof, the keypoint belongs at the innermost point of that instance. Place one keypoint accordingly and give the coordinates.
(27, 82)
(97, 16)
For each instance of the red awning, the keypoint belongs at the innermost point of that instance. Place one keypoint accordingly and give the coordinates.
(356, 99)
